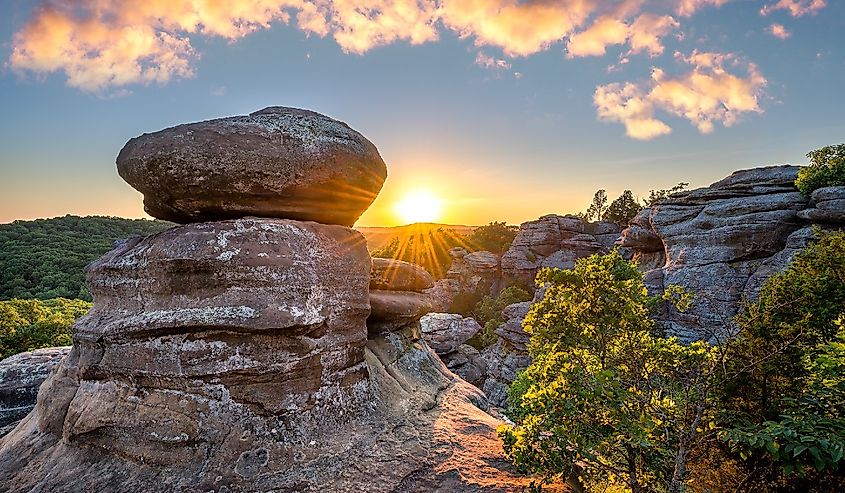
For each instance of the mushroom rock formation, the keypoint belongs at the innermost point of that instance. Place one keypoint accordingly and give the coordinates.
(276, 162)
(723, 241)
(20, 377)
(237, 355)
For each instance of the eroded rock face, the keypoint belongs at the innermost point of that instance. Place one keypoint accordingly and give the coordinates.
(719, 242)
(554, 241)
(445, 332)
(278, 162)
(20, 377)
(471, 276)
(423, 429)
(508, 355)
(206, 333)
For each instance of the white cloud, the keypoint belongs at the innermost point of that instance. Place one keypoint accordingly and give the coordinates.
(778, 31)
(709, 93)
(487, 61)
(796, 8)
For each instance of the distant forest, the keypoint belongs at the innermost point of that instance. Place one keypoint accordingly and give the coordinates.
(45, 258)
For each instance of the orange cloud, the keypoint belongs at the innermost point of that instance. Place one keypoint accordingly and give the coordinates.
(103, 44)
(706, 95)
(687, 8)
(778, 31)
(796, 8)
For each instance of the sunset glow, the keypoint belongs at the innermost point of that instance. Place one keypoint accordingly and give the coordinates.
(419, 206)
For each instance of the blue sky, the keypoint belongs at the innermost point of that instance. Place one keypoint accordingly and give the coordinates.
(497, 115)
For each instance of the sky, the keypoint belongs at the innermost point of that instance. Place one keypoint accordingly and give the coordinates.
(506, 110)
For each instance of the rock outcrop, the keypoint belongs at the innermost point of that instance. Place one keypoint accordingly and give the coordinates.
(470, 277)
(722, 242)
(276, 162)
(20, 377)
(508, 355)
(554, 241)
(447, 334)
(249, 353)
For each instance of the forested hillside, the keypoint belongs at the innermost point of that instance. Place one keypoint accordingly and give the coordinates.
(44, 258)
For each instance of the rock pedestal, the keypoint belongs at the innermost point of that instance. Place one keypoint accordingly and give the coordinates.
(241, 353)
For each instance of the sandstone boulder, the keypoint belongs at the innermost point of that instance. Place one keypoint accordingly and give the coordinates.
(396, 275)
(394, 309)
(278, 162)
(445, 332)
(20, 377)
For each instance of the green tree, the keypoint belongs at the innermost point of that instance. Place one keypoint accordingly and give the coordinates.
(606, 400)
(597, 208)
(782, 411)
(827, 168)
(623, 209)
(495, 237)
(45, 258)
(656, 196)
(32, 324)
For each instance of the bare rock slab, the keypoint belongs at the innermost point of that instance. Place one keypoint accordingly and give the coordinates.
(278, 162)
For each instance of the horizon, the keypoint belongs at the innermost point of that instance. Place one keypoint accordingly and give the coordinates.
(483, 119)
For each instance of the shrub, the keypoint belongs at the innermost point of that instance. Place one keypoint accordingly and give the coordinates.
(488, 313)
(827, 168)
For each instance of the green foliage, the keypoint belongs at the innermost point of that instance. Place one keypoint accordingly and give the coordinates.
(488, 313)
(606, 399)
(495, 237)
(427, 247)
(655, 196)
(827, 168)
(32, 324)
(597, 208)
(623, 209)
(44, 258)
(783, 410)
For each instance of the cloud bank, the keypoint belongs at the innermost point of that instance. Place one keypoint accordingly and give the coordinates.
(102, 46)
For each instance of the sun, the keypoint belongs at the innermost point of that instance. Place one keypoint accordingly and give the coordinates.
(419, 206)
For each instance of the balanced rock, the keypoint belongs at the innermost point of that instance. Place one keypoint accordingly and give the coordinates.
(445, 332)
(278, 162)
(397, 275)
(20, 377)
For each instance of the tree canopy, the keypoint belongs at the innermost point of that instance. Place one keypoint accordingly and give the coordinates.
(45, 258)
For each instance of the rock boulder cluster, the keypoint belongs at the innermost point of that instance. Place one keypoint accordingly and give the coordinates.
(246, 350)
